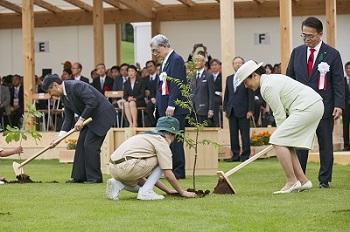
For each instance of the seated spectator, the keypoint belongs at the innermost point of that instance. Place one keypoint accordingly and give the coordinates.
(67, 75)
(17, 104)
(134, 95)
(204, 53)
(277, 68)
(5, 99)
(268, 68)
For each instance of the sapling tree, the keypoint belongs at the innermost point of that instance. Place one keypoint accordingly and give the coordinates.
(192, 118)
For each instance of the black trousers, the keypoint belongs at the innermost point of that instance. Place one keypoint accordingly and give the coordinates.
(346, 122)
(87, 162)
(177, 148)
(324, 134)
(241, 125)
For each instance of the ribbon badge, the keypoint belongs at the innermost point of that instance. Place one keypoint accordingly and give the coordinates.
(165, 89)
(323, 68)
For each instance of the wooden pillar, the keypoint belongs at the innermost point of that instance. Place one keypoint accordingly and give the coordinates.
(331, 17)
(227, 33)
(28, 52)
(286, 32)
(98, 22)
(118, 40)
(155, 30)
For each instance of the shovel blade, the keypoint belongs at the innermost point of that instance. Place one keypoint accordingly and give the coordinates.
(17, 168)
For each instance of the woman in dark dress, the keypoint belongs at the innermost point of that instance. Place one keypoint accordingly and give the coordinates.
(134, 95)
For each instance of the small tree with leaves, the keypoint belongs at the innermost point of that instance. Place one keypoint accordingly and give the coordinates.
(192, 118)
(18, 134)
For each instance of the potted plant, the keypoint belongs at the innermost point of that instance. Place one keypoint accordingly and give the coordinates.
(67, 156)
(260, 141)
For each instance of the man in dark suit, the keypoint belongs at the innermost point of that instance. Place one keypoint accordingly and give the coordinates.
(215, 67)
(151, 81)
(202, 87)
(84, 100)
(238, 107)
(167, 92)
(319, 66)
(346, 112)
(103, 82)
(76, 71)
(17, 104)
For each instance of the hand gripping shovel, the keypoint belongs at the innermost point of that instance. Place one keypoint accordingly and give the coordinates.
(224, 185)
(18, 168)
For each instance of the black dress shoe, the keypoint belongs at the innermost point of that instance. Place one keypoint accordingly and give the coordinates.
(92, 181)
(232, 160)
(72, 181)
(324, 185)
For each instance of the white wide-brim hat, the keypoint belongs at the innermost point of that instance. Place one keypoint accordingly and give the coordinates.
(246, 69)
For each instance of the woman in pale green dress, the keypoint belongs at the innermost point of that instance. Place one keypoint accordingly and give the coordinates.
(297, 110)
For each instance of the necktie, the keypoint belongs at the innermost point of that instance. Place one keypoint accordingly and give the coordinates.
(16, 92)
(102, 82)
(310, 62)
(197, 79)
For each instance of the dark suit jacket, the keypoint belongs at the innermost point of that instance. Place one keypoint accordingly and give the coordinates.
(151, 85)
(118, 83)
(238, 103)
(333, 96)
(20, 96)
(86, 101)
(203, 93)
(137, 92)
(175, 68)
(85, 79)
(218, 83)
(107, 86)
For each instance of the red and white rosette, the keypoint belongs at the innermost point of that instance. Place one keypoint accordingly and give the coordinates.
(323, 69)
(165, 89)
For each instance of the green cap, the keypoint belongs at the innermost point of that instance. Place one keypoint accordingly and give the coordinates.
(168, 124)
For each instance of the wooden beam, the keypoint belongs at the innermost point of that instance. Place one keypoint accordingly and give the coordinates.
(140, 6)
(28, 52)
(80, 4)
(47, 6)
(187, 2)
(259, 1)
(98, 32)
(285, 32)
(11, 6)
(172, 13)
(331, 18)
(118, 40)
(227, 35)
(116, 4)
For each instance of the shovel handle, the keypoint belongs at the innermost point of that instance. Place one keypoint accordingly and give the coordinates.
(49, 147)
(248, 161)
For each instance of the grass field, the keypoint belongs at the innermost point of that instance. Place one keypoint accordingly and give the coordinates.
(127, 54)
(78, 207)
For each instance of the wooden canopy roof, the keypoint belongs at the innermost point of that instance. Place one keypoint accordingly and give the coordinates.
(53, 13)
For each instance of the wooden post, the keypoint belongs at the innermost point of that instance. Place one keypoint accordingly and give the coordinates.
(331, 17)
(118, 40)
(155, 30)
(28, 53)
(227, 43)
(98, 22)
(285, 36)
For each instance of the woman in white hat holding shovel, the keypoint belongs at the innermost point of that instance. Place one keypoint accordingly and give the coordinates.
(297, 110)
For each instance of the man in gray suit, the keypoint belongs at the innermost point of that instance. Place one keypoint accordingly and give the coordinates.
(319, 66)
(84, 100)
(202, 86)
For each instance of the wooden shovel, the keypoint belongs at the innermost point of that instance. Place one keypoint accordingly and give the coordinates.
(223, 177)
(18, 168)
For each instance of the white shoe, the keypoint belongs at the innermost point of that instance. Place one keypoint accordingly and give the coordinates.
(295, 188)
(306, 187)
(148, 195)
(2, 182)
(113, 188)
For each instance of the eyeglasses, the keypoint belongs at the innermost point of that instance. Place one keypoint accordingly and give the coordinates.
(154, 51)
(308, 36)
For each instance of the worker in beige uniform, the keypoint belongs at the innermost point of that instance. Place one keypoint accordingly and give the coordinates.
(146, 155)
(297, 131)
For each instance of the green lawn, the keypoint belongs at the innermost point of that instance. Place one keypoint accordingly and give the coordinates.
(78, 207)
(127, 55)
